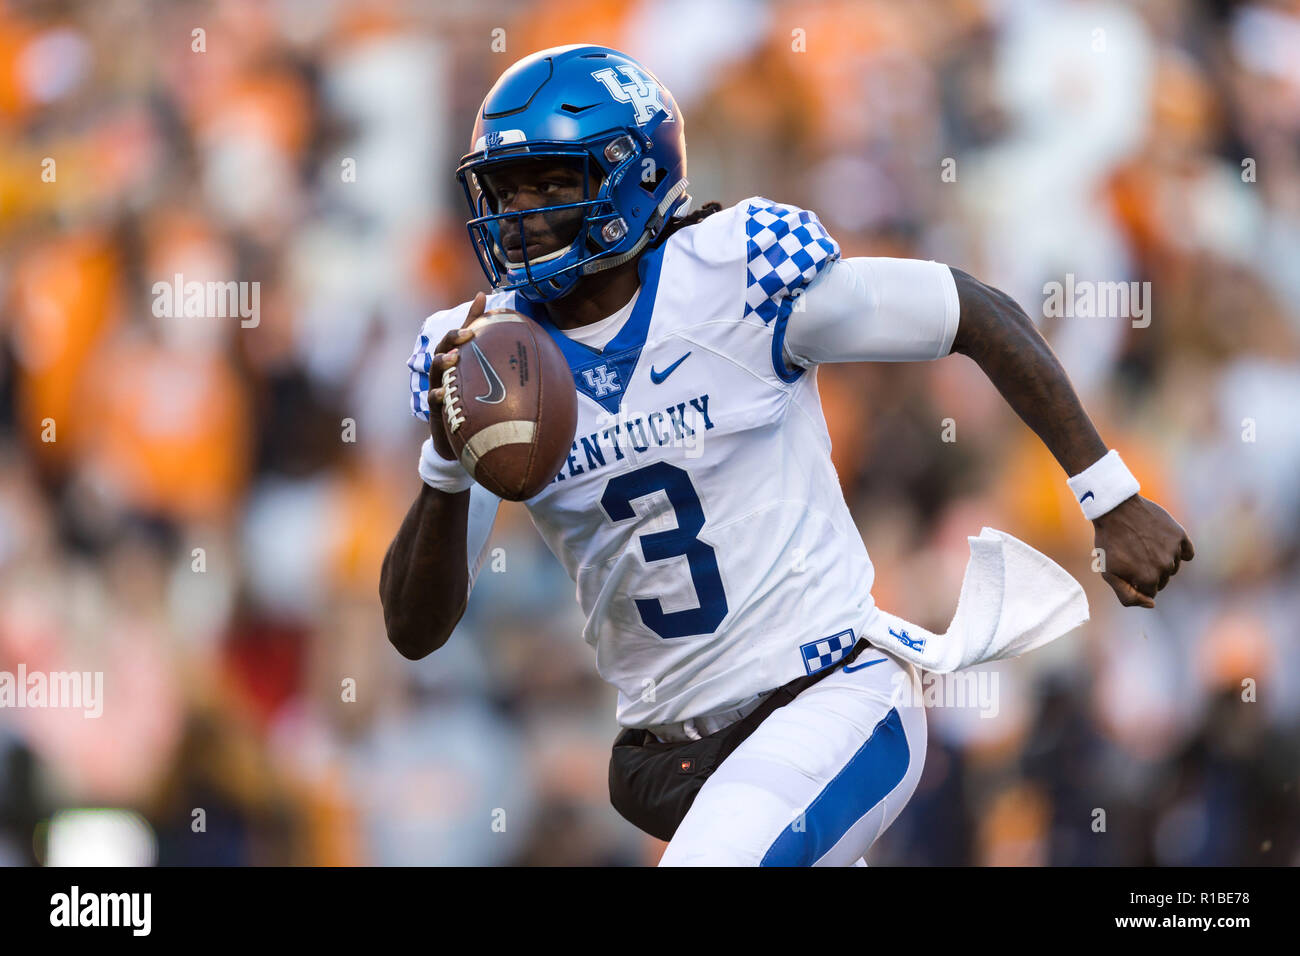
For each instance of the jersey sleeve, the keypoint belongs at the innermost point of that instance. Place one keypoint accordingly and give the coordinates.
(483, 506)
(786, 249)
(875, 310)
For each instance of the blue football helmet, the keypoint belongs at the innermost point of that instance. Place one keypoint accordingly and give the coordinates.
(607, 114)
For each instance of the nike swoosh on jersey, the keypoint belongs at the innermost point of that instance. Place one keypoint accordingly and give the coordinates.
(850, 668)
(496, 389)
(658, 377)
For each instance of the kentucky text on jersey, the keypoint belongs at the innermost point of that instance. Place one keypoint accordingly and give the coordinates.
(675, 426)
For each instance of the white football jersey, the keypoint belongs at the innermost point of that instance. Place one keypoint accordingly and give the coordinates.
(699, 513)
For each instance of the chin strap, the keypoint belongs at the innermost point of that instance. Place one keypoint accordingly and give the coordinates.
(651, 230)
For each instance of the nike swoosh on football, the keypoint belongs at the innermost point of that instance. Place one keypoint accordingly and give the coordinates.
(496, 390)
(658, 377)
(849, 668)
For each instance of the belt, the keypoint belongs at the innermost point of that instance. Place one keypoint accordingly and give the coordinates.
(695, 728)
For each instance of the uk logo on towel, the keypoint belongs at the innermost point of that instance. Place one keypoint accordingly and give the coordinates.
(916, 644)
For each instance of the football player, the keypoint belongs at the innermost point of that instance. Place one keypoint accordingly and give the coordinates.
(699, 513)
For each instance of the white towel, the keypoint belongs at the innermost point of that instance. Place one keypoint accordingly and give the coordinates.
(1013, 599)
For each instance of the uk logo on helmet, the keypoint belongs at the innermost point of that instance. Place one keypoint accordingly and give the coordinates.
(635, 88)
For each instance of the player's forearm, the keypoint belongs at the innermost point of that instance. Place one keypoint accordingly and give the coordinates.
(424, 584)
(997, 334)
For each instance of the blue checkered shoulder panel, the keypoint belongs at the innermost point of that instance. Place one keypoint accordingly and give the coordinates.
(787, 248)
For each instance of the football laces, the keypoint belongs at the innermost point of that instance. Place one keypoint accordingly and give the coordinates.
(451, 400)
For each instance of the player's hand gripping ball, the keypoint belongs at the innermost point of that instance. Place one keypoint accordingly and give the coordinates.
(508, 405)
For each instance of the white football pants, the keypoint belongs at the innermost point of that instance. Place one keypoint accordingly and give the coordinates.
(819, 780)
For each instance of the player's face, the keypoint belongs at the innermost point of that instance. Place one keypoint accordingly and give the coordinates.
(517, 187)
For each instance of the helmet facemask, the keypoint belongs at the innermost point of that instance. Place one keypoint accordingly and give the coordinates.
(543, 233)
(543, 251)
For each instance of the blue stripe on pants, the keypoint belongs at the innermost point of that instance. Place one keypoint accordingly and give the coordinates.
(877, 768)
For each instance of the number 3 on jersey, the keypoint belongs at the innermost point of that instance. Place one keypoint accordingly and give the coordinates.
(617, 500)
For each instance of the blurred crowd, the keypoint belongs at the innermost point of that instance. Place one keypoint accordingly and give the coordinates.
(198, 507)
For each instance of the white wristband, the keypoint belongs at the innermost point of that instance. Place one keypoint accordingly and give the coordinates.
(440, 474)
(1103, 485)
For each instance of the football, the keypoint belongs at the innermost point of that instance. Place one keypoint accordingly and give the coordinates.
(509, 405)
